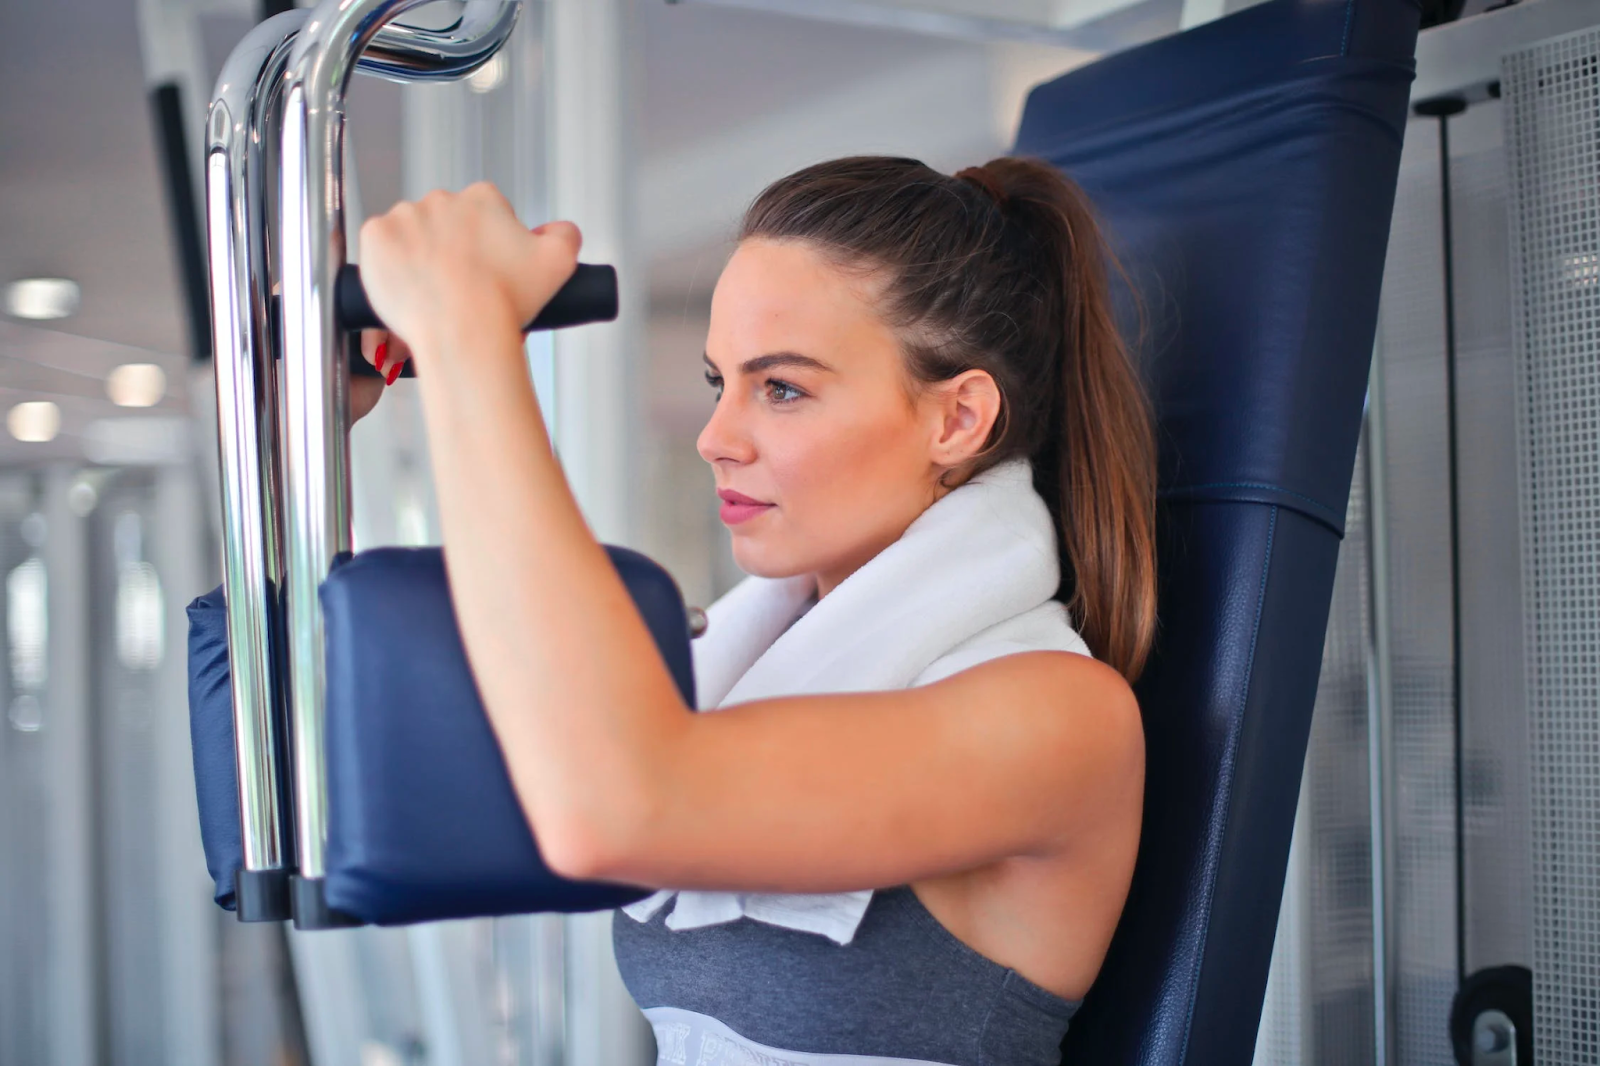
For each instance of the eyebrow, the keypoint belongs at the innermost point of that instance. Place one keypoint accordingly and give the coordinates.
(775, 359)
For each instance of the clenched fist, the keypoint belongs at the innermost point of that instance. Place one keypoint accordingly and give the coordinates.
(451, 258)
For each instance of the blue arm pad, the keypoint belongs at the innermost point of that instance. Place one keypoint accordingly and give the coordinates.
(423, 822)
(211, 738)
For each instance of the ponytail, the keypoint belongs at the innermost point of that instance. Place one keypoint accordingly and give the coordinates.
(1003, 268)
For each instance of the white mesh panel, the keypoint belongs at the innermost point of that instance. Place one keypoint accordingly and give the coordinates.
(1552, 96)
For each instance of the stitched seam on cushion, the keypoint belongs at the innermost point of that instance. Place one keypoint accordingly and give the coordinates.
(1312, 508)
(1349, 12)
(1233, 745)
(1248, 485)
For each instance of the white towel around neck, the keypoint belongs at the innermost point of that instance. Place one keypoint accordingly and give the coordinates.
(971, 580)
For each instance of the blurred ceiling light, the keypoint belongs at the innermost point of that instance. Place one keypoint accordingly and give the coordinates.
(42, 298)
(136, 385)
(488, 77)
(34, 421)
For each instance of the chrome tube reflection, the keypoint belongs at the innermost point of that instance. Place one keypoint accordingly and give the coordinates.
(316, 376)
(404, 53)
(242, 135)
(246, 437)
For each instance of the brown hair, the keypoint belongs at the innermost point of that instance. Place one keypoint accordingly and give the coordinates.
(1003, 268)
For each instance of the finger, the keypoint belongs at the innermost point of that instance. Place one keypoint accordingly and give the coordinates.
(489, 193)
(371, 340)
(551, 259)
(566, 232)
(397, 355)
(399, 352)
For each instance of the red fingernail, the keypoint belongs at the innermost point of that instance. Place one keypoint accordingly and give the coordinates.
(380, 355)
(394, 373)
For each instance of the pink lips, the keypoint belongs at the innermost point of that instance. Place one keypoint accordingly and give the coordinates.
(737, 507)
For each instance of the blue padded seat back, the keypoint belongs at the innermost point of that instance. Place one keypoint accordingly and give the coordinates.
(1245, 171)
(423, 822)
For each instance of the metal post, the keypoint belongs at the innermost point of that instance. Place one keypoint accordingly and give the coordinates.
(246, 421)
(75, 1022)
(1380, 730)
(242, 130)
(316, 448)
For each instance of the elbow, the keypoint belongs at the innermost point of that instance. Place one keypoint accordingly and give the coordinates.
(602, 839)
(577, 852)
(607, 821)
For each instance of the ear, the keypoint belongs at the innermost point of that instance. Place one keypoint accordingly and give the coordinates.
(966, 407)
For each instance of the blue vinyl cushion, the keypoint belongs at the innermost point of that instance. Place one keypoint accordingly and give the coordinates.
(423, 822)
(211, 742)
(422, 819)
(1245, 171)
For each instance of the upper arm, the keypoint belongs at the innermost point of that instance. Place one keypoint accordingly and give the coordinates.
(1018, 756)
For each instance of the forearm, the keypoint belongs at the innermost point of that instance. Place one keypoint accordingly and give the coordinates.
(574, 688)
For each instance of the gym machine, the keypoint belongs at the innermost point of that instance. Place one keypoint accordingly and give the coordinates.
(1246, 172)
(284, 303)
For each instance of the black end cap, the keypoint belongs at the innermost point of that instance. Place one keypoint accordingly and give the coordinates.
(262, 895)
(311, 910)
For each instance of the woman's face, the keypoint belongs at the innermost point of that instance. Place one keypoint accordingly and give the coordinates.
(823, 451)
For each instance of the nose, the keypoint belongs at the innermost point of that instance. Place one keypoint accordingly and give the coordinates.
(725, 438)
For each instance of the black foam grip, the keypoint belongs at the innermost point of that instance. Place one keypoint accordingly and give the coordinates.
(590, 295)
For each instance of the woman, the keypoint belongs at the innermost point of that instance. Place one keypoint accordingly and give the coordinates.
(934, 454)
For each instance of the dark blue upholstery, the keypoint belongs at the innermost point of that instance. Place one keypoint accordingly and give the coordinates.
(422, 819)
(1246, 172)
(423, 822)
(211, 743)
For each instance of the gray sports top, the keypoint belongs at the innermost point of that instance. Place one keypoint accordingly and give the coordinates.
(904, 991)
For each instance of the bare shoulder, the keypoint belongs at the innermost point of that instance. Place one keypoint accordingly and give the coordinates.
(1070, 716)
(1058, 690)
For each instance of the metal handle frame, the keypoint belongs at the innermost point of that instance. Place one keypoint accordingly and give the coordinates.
(278, 109)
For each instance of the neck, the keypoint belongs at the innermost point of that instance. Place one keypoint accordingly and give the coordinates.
(831, 578)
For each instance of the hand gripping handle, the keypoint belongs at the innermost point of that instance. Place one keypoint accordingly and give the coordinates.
(590, 295)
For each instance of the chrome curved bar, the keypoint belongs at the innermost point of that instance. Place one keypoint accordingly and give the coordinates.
(242, 137)
(316, 374)
(404, 53)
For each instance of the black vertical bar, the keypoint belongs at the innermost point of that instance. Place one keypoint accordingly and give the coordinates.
(1451, 424)
(1442, 108)
(275, 7)
(183, 212)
